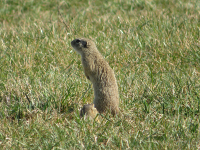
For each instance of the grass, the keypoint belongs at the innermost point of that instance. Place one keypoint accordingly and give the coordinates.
(153, 47)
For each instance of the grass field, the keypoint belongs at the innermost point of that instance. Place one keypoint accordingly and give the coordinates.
(152, 45)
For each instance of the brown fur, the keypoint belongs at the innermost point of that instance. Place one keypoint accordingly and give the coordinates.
(89, 110)
(98, 71)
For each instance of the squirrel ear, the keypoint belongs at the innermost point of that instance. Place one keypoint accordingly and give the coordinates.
(84, 43)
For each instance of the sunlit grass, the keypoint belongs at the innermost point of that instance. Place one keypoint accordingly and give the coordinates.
(153, 47)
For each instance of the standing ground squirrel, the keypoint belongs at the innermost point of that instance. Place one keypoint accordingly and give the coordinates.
(89, 110)
(98, 71)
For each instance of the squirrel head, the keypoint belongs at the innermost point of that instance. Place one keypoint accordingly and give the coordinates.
(83, 45)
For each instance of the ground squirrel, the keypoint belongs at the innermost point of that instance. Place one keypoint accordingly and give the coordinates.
(89, 110)
(98, 71)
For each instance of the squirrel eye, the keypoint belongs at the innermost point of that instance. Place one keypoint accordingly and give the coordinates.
(77, 41)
